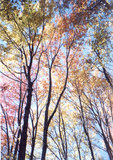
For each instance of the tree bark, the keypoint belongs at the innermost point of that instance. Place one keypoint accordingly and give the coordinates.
(22, 148)
(44, 149)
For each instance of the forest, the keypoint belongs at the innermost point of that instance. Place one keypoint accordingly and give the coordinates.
(56, 79)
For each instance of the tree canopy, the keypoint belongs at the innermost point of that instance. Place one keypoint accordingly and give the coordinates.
(56, 79)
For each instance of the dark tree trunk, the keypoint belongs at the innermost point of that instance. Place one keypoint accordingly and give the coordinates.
(44, 148)
(89, 141)
(34, 132)
(33, 147)
(22, 147)
(85, 130)
(108, 148)
(17, 143)
(78, 147)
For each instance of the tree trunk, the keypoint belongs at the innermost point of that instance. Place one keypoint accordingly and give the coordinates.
(85, 130)
(108, 148)
(32, 149)
(89, 141)
(22, 148)
(44, 148)
(16, 146)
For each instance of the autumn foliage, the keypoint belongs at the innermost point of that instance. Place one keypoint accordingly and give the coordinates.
(56, 80)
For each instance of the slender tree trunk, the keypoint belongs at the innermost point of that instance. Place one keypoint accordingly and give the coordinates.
(46, 124)
(32, 150)
(33, 143)
(44, 148)
(17, 143)
(89, 141)
(34, 133)
(85, 130)
(79, 152)
(108, 148)
(78, 147)
(22, 148)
